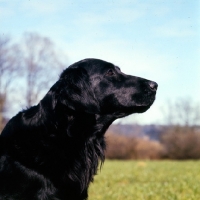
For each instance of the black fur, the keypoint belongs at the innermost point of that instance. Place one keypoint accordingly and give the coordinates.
(52, 151)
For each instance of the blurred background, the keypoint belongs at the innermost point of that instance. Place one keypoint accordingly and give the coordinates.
(157, 40)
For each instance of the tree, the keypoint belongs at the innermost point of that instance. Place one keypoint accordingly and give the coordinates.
(183, 112)
(41, 64)
(188, 112)
(32, 65)
(9, 69)
(181, 137)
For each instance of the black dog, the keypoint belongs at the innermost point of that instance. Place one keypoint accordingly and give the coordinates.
(51, 151)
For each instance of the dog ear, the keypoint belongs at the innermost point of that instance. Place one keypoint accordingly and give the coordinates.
(77, 93)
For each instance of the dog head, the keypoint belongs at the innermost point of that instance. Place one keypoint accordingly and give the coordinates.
(99, 87)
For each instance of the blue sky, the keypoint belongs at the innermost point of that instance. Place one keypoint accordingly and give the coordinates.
(154, 39)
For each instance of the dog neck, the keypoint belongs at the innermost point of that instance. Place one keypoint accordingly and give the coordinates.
(82, 133)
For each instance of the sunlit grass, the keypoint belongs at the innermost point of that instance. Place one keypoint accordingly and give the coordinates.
(147, 180)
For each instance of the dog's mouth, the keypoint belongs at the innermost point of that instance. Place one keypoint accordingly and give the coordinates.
(144, 104)
(141, 109)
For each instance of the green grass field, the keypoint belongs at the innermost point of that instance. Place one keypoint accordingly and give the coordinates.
(147, 180)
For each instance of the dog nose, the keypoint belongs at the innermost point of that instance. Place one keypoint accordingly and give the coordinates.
(153, 85)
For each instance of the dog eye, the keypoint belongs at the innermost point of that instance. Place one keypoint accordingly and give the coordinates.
(110, 72)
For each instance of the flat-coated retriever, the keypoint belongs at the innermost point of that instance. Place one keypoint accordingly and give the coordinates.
(51, 151)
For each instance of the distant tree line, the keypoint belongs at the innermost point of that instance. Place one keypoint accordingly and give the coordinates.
(177, 143)
(27, 69)
(179, 138)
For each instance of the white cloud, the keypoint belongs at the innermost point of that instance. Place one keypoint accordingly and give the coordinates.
(123, 15)
(175, 28)
(115, 15)
(5, 12)
(44, 6)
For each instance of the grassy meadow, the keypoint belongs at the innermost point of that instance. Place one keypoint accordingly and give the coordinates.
(147, 180)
